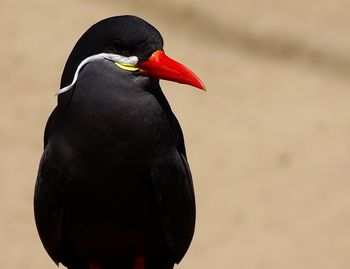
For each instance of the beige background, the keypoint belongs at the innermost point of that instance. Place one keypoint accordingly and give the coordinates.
(269, 143)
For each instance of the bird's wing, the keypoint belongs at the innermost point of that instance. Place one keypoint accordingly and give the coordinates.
(48, 203)
(48, 206)
(173, 187)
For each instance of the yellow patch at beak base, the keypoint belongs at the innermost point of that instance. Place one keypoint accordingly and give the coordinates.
(126, 67)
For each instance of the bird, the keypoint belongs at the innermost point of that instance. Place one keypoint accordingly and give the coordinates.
(114, 188)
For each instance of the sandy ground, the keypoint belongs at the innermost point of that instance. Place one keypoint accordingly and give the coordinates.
(269, 143)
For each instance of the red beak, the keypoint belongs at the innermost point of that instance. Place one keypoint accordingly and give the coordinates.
(161, 66)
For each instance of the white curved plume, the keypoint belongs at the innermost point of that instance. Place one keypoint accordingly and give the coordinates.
(132, 60)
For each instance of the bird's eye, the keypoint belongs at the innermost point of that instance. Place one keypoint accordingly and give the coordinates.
(117, 44)
(120, 48)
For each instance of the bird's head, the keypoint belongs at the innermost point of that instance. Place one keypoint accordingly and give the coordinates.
(133, 45)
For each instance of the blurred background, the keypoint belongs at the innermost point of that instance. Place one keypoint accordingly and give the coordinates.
(268, 143)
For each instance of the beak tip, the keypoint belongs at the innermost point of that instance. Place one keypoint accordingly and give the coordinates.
(199, 85)
(203, 88)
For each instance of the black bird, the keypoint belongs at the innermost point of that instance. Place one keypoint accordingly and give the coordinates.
(114, 189)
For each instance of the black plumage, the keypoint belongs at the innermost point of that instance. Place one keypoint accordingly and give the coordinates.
(114, 184)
